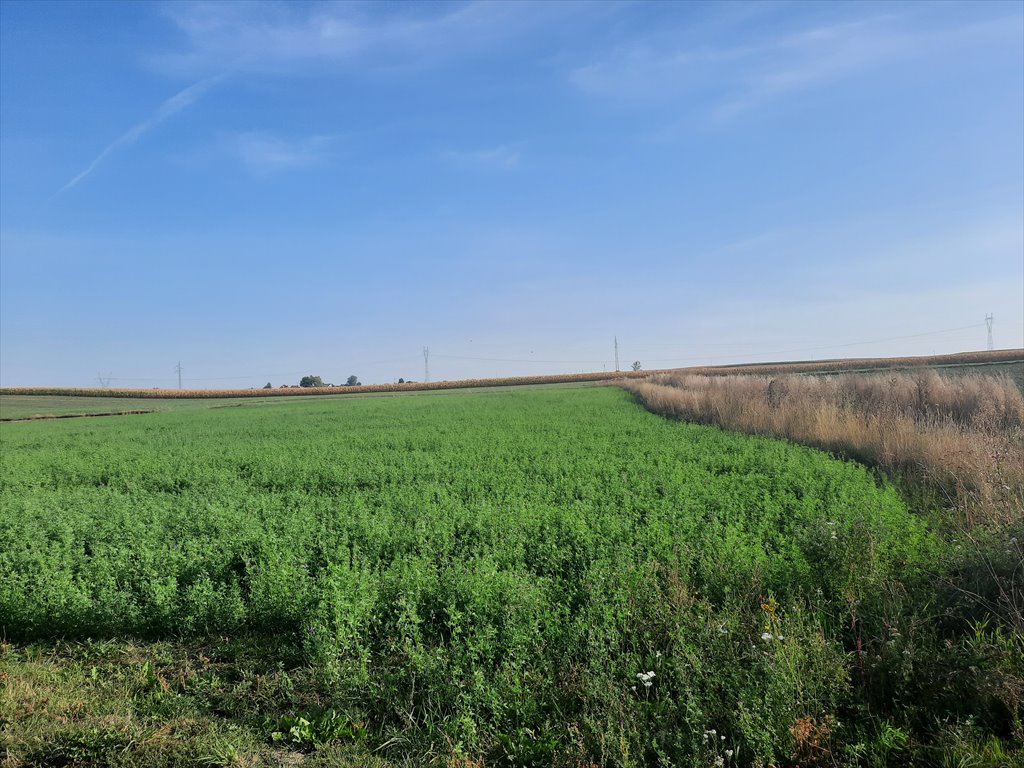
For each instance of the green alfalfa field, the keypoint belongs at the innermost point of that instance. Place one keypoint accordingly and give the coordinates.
(507, 578)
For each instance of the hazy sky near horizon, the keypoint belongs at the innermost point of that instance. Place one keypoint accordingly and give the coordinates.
(265, 190)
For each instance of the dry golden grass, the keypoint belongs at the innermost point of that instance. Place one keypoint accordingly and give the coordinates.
(961, 437)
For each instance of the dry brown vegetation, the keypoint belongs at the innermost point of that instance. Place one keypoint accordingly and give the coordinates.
(862, 364)
(960, 437)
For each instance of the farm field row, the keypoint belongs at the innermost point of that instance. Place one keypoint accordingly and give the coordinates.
(547, 576)
(21, 407)
(1009, 361)
(16, 407)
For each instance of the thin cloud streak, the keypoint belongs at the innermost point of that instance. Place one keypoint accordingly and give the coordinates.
(503, 157)
(179, 101)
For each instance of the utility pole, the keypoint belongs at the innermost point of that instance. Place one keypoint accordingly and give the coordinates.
(426, 364)
(989, 319)
(616, 353)
(178, 369)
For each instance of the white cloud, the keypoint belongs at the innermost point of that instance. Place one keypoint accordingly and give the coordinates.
(501, 158)
(269, 37)
(737, 78)
(179, 101)
(264, 154)
(639, 71)
(816, 56)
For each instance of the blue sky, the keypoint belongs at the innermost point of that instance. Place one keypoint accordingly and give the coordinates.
(262, 190)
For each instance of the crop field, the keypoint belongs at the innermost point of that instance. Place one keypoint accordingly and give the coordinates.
(20, 407)
(534, 577)
(1008, 361)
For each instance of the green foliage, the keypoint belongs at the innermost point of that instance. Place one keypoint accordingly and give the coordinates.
(489, 572)
(352, 381)
(524, 748)
(84, 746)
(886, 744)
(311, 381)
(317, 730)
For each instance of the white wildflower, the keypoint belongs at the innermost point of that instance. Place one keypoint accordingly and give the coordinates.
(645, 678)
(766, 636)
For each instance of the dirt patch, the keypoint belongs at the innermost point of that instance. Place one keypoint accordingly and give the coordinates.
(47, 417)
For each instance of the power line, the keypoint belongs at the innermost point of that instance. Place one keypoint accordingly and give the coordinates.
(426, 358)
(837, 346)
(512, 360)
(735, 354)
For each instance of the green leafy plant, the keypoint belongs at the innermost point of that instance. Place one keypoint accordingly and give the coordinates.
(524, 748)
(317, 730)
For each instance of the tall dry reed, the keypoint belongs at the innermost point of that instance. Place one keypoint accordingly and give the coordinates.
(960, 437)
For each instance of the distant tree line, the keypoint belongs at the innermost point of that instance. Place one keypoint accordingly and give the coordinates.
(317, 381)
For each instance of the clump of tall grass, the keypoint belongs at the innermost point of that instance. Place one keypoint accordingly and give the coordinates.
(958, 438)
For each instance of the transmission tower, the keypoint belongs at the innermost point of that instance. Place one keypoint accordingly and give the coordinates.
(178, 369)
(616, 353)
(426, 364)
(989, 318)
(104, 382)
